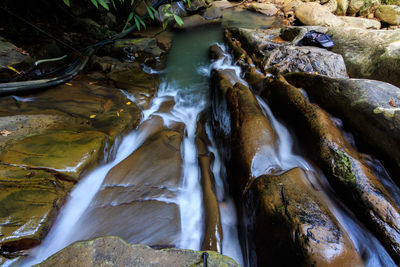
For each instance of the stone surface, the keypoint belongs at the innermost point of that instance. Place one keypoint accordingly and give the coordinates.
(213, 238)
(277, 55)
(342, 6)
(212, 12)
(312, 13)
(116, 252)
(389, 14)
(10, 55)
(195, 21)
(29, 201)
(363, 23)
(291, 218)
(364, 104)
(346, 169)
(68, 154)
(141, 192)
(371, 54)
(264, 8)
(195, 5)
(355, 6)
(248, 133)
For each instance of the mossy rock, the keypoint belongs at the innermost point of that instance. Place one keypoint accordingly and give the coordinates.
(67, 153)
(114, 251)
(29, 201)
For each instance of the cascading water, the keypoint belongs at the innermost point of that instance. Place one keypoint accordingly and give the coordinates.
(184, 81)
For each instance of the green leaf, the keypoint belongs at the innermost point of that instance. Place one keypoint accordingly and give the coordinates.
(165, 23)
(113, 3)
(166, 7)
(67, 3)
(103, 4)
(94, 2)
(141, 21)
(130, 17)
(168, 14)
(178, 20)
(154, 11)
(137, 23)
(150, 13)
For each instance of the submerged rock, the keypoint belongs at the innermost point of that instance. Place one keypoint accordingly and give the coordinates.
(369, 107)
(292, 225)
(29, 201)
(348, 173)
(114, 251)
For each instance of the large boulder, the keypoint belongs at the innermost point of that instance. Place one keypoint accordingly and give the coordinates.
(29, 202)
(284, 57)
(312, 13)
(346, 169)
(263, 8)
(389, 14)
(342, 6)
(371, 54)
(363, 23)
(355, 6)
(68, 154)
(291, 218)
(369, 107)
(114, 251)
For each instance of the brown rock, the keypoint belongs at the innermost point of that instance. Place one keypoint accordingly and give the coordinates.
(313, 13)
(213, 230)
(114, 251)
(348, 173)
(292, 219)
(140, 192)
(29, 202)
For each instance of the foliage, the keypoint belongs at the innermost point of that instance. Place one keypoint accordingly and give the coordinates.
(167, 11)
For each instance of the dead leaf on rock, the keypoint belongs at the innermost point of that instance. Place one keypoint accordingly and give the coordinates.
(392, 103)
(5, 132)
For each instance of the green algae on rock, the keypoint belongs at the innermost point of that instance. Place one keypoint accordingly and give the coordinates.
(67, 153)
(114, 251)
(364, 104)
(349, 175)
(29, 201)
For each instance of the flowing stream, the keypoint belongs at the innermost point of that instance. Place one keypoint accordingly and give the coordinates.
(186, 81)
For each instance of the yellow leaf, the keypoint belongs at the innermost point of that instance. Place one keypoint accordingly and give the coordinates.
(13, 69)
(92, 116)
(117, 113)
(69, 84)
(128, 103)
(5, 132)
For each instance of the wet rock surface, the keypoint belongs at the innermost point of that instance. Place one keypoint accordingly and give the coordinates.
(51, 138)
(141, 191)
(291, 218)
(213, 230)
(29, 201)
(349, 175)
(369, 107)
(10, 55)
(113, 250)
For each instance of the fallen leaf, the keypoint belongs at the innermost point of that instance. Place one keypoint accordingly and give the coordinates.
(5, 132)
(13, 69)
(69, 84)
(107, 105)
(91, 83)
(392, 103)
(277, 39)
(92, 116)
(128, 103)
(22, 51)
(30, 175)
(121, 110)
(117, 113)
